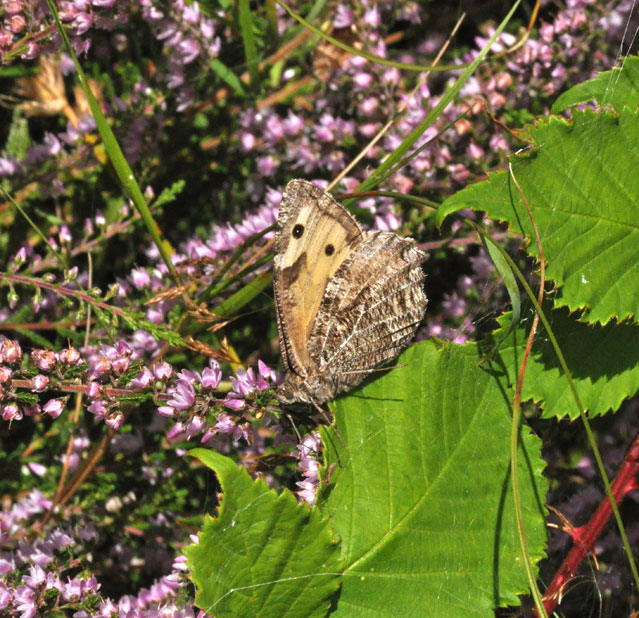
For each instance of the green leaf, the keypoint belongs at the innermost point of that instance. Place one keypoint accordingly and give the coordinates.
(603, 362)
(420, 491)
(245, 18)
(18, 140)
(234, 303)
(581, 184)
(616, 88)
(169, 194)
(264, 554)
(226, 75)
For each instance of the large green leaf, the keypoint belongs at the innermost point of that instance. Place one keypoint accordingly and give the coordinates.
(416, 487)
(581, 183)
(264, 554)
(603, 362)
(419, 492)
(616, 88)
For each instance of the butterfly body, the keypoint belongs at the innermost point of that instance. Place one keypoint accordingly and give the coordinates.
(347, 301)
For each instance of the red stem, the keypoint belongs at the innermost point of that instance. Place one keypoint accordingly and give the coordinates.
(584, 537)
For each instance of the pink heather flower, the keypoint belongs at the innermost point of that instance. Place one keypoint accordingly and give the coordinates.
(5, 596)
(234, 404)
(182, 395)
(474, 152)
(208, 434)
(192, 377)
(99, 408)
(176, 430)
(454, 306)
(273, 129)
(44, 359)
(10, 351)
(179, 564)
(24, 602)
(194, 426)
(248, 141)
(37, 469)
(142, 380)
(32, 51)
(372, 17)
(211, 376)
(166, 411)
(225, 424)
(140, 278)
(11, 412)
(458, 172)
(13, 6)
(93, 390)
(162, 370)
(498, 143)
(100, 365)
(293, 125)
(5, 374)
(115, 420)
(264, 370)
(54, 407)
(31, 409)
(36, 577)
(40, 383)
(343, 17)
(308, 491)
(16, 23)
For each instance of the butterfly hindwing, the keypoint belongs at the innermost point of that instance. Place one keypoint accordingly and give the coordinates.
(370, 309)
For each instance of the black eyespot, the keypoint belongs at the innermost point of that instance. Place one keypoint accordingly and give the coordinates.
(329, 249)
(298, 230)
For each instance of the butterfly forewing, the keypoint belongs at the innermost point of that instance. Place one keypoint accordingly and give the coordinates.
(314, 236)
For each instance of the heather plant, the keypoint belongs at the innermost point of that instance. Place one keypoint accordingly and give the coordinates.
(145, 148)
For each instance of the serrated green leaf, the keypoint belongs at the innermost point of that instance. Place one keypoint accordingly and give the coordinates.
(616, 88)
(603, 362)
(264, 554)
(420, 491)
(581, 183)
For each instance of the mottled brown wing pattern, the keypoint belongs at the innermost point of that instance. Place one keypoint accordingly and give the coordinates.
(370, 309)
(314, 235)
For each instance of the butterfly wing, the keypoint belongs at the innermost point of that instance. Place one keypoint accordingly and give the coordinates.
(371, 309)
(314, 236)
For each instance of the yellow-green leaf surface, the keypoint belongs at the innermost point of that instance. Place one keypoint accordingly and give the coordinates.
(264, 554)
(582, 185)
(419, 493)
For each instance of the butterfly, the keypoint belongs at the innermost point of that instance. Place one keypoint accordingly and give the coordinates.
(347, 301)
